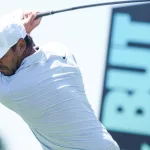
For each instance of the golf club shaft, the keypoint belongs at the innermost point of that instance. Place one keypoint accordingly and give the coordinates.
(89, 6)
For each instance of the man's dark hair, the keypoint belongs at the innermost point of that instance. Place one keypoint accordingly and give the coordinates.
(29, 42)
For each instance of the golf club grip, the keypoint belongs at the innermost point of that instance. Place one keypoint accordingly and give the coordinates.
(47, 13)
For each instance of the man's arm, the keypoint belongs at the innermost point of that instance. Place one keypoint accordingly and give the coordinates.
(29, 20)
(15, 15)
(26, 17)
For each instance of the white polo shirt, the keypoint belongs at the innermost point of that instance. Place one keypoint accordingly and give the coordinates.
(47, 91)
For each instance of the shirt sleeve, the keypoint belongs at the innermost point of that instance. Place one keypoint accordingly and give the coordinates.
(15, 15)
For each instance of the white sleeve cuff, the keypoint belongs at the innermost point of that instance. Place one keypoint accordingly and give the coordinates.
(15, 15)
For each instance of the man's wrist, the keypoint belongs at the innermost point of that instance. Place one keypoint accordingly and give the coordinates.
(28, 31)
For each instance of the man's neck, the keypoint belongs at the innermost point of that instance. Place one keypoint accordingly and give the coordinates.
(28, 52)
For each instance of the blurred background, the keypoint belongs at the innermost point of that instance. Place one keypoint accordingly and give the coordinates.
(112, 48)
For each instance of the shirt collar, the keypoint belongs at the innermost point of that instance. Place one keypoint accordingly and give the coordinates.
(37, 57)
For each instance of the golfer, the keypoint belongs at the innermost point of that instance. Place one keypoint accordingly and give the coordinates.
(44, 86)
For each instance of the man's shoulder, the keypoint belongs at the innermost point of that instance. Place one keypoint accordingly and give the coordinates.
(58, 49)
(55, 48)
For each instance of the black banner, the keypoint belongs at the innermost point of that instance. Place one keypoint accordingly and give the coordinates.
(125, 108)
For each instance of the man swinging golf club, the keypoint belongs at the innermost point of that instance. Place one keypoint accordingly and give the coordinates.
(44, 86)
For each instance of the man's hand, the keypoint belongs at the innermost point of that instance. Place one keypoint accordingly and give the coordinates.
(29, 21)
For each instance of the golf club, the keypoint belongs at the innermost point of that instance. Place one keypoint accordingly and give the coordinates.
(47, 13)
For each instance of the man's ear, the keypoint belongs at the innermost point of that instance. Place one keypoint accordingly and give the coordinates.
(21, 46)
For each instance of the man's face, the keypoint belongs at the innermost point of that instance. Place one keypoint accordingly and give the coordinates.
(8, 63)
(11, 61)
